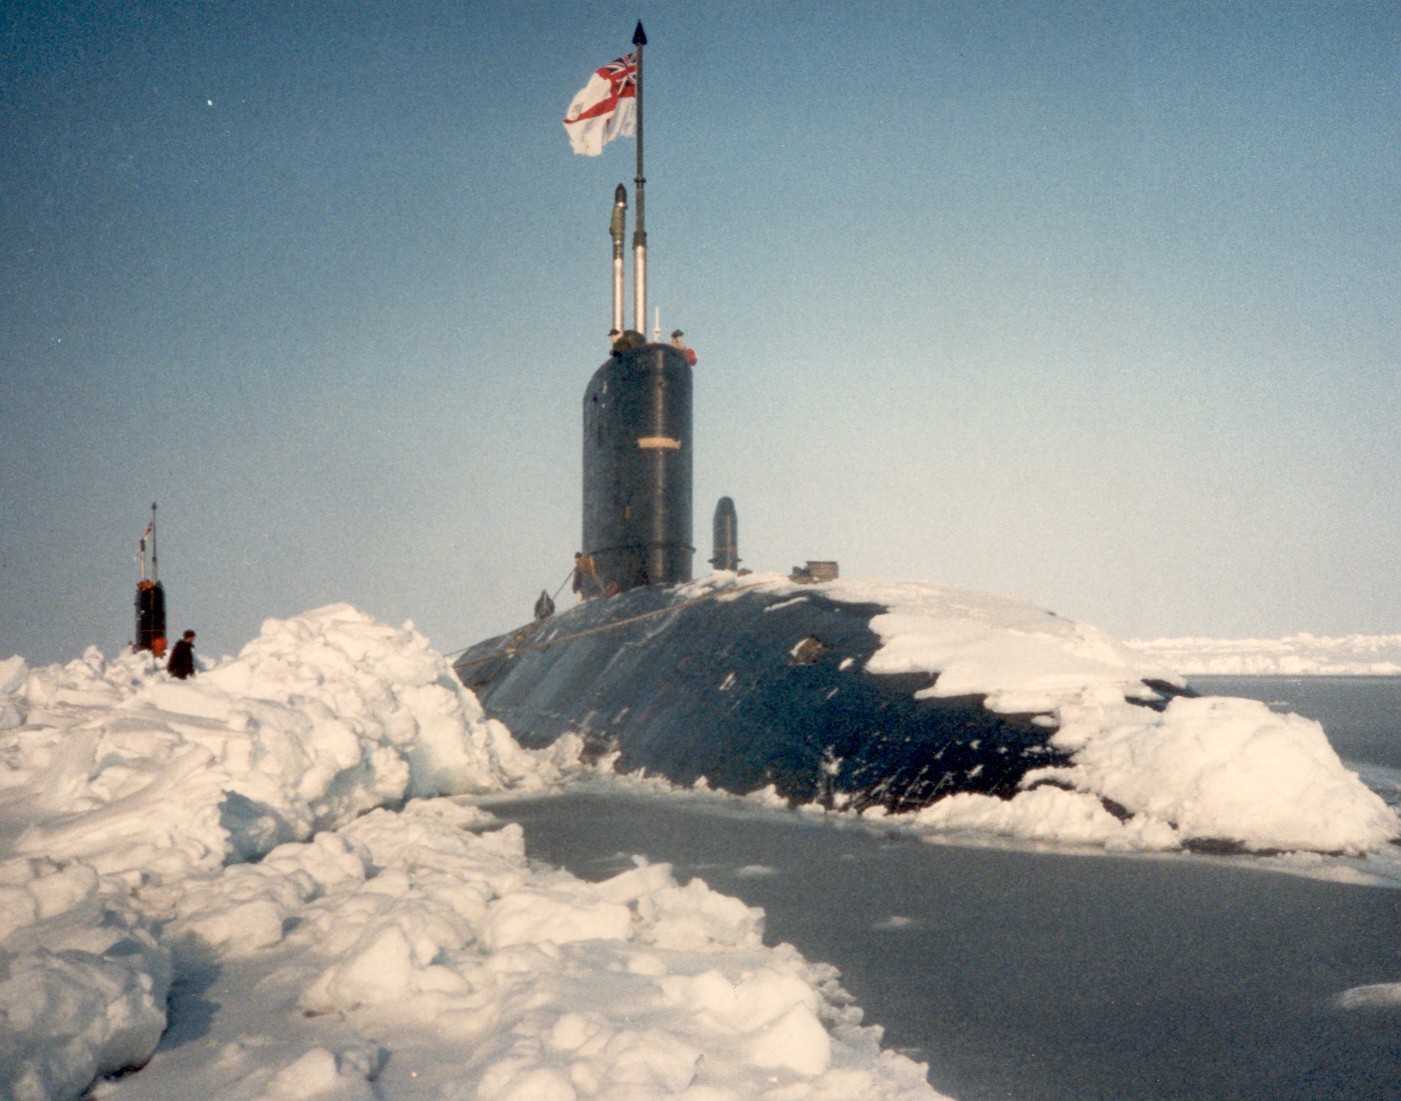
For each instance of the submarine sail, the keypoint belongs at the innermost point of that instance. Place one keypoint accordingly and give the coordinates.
(637, 468)
(150, 599)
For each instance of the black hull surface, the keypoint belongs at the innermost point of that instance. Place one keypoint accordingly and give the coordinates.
(749, 688)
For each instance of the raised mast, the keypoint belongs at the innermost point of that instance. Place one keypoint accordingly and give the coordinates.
(639, 236)
(617, 226)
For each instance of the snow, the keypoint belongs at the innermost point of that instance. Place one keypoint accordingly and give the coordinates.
(83, 979)
(1375, 996)
(280, 873)
(259, 865)
(1224, 769)
(1299, 655)
(321, 718)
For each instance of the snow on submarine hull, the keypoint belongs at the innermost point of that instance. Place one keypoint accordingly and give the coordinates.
(751, 685)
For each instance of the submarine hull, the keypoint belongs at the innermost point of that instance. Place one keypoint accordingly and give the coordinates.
(748, 689)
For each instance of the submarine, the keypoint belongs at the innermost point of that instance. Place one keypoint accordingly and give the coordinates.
(739, 681)
(742, 682)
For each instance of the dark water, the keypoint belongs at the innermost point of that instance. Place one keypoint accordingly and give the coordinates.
(1046, 976)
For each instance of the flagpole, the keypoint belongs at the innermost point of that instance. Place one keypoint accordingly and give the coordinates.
(639, 237)
(154, 575)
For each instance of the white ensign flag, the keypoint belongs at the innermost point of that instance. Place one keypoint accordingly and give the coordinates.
(606, 107)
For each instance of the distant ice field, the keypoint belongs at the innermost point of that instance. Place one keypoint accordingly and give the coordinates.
(1291, 656)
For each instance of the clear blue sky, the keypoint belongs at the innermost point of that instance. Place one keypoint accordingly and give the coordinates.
(1095, 304)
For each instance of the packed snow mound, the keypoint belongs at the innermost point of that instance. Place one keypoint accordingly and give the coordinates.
(321, 718)
(1020, 656)
(1224, 769)
(411, 925)
(83, 980)
(1183, 772)
(265, 829)
(1301, 655)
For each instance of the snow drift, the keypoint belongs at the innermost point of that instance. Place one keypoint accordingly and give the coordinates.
(320, 718)
(267, 831)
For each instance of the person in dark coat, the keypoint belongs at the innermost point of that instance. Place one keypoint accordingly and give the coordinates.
(182, 657)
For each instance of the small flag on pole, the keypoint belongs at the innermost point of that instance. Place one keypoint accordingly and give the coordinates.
(147, 534)
(606, 107)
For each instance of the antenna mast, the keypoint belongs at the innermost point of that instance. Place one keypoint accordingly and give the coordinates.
(639, 236)
(616, 229)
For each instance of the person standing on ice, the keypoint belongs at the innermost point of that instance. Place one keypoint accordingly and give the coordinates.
(182, 657)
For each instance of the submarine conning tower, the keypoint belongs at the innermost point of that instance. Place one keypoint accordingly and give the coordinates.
(150, 599)
(637, 467)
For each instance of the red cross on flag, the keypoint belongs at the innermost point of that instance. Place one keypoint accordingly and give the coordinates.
(606, 107)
